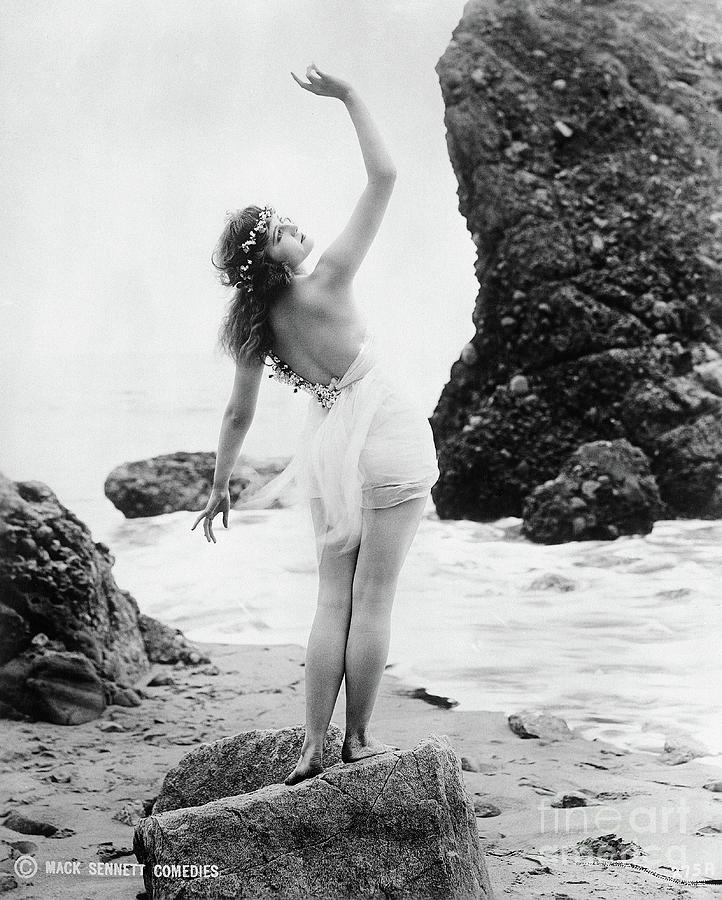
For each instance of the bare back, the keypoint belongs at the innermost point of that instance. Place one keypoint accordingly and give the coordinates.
(316, 326)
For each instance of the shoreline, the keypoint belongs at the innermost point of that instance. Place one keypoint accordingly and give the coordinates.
(94, 779)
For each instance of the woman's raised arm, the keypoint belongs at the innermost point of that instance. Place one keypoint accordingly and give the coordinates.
(344, 256)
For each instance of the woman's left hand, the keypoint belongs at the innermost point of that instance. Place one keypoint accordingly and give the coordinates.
(323, 84)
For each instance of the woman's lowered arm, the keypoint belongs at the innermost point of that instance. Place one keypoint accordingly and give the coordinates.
(237, 419)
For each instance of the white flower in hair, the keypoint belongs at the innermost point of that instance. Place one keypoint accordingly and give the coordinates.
(260, 227)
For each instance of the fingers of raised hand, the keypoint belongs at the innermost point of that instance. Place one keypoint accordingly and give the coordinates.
(306, 87)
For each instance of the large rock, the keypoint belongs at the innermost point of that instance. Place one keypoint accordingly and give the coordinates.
(71, 640)
(239, 764)
(603, 490)
(585, 139)
(546, 728)
(52, 686)
(177, 481)
(395, 825)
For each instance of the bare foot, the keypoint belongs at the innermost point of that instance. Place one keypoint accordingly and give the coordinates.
(309, 764)
(355, 748)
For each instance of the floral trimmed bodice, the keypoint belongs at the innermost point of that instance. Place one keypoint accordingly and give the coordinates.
(326, 394)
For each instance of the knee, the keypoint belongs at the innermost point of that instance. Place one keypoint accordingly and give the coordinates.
(373, 588)
(335, 597)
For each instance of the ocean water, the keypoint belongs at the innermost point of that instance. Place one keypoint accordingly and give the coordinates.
(620, 638)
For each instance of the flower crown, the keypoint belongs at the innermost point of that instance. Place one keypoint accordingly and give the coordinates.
(261, 226)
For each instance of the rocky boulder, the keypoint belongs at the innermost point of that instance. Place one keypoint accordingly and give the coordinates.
(546, 728)
(394, 825)
(71, 640)
(54, 686)
(603, 490)
(178, 481)
(585, 140)
(239, 764)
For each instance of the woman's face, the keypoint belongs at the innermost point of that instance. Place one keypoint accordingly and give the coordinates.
(286, 242)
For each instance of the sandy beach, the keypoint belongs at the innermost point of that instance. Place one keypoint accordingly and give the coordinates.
(92, 781)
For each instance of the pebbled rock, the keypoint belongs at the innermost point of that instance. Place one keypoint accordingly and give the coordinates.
(178, 481)
(537, 725)
(59, 582)
(321, 838)
(603, 490)
(589, 177)
(569, 800)
(687, 461)
(71, 641)
(609, 846)
(164, 644)
(239, 764)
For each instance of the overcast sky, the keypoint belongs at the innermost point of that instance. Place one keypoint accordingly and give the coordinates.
(130, 127)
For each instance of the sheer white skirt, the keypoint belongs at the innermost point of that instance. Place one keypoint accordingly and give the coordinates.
(372, 448)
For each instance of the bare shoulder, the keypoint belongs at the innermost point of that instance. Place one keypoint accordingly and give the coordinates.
(323, 292)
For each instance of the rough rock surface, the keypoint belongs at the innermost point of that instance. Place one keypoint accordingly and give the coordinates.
(164, 644)
(609, 846)
(71, 641)
(604, 489)
(586, 139)
(58, 687)
(239, 764)
(394, 825)
(177, 481)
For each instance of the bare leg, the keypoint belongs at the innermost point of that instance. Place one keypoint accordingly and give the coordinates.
(325, 651)
(385, 540)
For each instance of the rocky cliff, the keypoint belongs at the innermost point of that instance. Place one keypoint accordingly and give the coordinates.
(586, 141)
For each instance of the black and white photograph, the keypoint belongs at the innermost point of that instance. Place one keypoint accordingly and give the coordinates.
(361, 449)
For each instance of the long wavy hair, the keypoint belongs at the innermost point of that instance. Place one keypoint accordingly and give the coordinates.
(245, 331)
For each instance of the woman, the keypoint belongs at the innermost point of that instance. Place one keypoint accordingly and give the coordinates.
(366, 460)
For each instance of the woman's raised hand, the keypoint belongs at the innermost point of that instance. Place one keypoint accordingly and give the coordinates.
(218, 502)
(323, 84)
